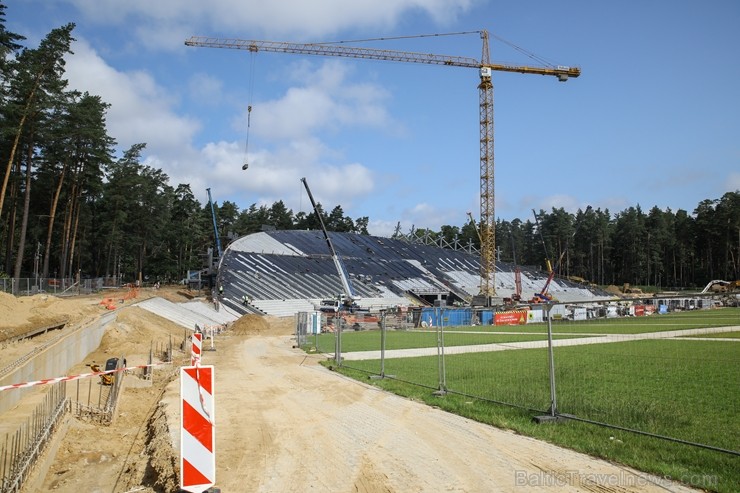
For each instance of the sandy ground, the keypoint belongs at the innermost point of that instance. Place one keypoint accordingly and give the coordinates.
(286, 424)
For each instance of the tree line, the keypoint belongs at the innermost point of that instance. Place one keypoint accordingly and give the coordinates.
(658, 248)
(69, 204)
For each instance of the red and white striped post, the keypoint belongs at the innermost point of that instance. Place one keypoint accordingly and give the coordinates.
(197, 349)
(198, 431)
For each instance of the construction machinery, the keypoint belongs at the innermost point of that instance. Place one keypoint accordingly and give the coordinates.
(720, 286)
(346, 301)
(110, 365)
(475, 226)
(215, 226)
(548, 264)
(516, 297)
(485, 89)
(544, 295)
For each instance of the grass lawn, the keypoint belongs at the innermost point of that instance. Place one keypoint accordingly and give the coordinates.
(683, 389)
(370, 340)
(694, 319)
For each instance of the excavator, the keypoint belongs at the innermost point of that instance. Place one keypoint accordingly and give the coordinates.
(720, 286)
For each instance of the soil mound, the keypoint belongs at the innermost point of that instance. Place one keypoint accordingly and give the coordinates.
(250, 325)
(23, 314)
(612, 289)
(263, 325)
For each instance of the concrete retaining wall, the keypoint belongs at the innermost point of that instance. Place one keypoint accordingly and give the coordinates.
(54, 360)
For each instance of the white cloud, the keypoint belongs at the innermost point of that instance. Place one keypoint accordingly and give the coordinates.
(144, 111)
(379, 227)
(296, 19)
(321, 99)
(522, 208)
(325, 100)
(205, 87)
(141, 110)
(733, 182)
(420, 215)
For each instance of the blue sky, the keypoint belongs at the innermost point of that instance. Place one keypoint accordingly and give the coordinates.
(653, 120)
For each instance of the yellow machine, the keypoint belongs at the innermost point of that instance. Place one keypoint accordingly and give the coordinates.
(106, 378)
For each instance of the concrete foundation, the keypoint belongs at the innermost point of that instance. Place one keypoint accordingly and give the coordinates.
(54, 360)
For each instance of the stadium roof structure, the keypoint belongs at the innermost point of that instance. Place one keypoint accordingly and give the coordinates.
(286, 272)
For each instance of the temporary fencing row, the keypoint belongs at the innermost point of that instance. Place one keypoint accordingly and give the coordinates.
(57, 286)
(659, 367)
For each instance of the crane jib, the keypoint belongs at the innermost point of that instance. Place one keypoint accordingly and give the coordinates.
(333, 50)
(373, 54)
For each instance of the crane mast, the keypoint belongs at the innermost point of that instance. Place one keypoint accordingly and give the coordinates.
(485, 90)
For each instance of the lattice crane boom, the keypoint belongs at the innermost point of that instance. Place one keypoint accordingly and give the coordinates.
(485, 89)
(328, 49)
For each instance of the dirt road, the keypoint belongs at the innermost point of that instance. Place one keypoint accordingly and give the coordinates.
(284, 423)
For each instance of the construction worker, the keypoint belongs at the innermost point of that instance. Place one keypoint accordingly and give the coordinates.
(246, 300)
(220, 290)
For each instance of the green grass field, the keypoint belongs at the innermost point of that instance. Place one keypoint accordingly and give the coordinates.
(678, 388)
(370, 340)
(629, 325)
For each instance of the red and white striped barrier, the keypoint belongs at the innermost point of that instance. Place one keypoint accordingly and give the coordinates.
(72, 377)
(198, 431)
(197, 349)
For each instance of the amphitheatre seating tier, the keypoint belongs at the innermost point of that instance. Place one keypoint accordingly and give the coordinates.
(283, 272)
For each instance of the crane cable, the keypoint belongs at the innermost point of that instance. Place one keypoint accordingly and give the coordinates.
(525, 52)
(529, 54)
(389, 38)
(249, 124)
(249, 109)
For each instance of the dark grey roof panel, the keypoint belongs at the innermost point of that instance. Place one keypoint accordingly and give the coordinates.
(296, 265)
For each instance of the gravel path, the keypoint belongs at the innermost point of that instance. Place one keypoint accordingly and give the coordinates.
(577, 341)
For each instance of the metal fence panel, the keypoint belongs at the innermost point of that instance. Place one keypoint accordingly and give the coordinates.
(663, 366)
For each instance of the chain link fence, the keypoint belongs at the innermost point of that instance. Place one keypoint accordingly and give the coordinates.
(666, 367)
(58, 287)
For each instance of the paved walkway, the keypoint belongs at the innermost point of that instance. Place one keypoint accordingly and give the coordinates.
(578, 341)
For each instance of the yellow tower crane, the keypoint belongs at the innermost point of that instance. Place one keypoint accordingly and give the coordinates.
(485, 89)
